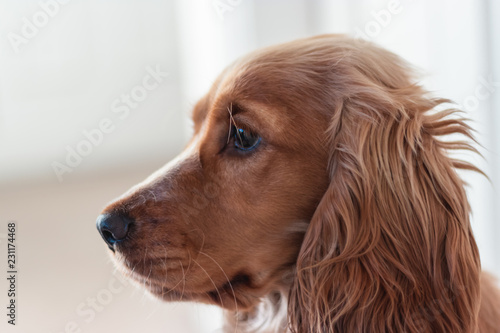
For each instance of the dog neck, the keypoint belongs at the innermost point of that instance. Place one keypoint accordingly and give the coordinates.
(269, 316)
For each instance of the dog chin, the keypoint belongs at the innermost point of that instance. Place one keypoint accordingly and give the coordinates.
(234, 296)
(240, 293)
(220, 297)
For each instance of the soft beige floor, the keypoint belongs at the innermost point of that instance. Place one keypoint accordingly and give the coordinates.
(63, 264)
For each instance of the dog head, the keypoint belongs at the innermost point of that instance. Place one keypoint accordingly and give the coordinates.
(315, 169)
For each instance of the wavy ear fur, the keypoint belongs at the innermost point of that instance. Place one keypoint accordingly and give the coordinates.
(390, 247)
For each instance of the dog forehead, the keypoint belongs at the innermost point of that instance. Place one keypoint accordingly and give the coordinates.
(254, 102)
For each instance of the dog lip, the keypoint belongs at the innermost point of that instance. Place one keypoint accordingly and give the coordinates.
(153, 269)
(115, 245)
(237, 281)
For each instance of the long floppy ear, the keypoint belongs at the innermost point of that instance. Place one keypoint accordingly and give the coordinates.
(390, 247)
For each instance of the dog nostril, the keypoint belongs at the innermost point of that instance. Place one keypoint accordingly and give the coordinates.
(108, 237)
(113, 227)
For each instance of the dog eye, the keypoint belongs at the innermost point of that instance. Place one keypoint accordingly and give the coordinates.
(245, 140)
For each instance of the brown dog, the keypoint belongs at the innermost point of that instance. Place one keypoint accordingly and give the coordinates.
(315, 196)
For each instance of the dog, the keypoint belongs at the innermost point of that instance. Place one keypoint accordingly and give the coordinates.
(317, 194)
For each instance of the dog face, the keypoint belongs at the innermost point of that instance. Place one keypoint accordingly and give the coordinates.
(224, 221)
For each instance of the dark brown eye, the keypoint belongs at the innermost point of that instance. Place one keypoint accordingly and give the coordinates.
(245, 140)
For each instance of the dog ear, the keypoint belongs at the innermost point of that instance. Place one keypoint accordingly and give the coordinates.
(390, 247)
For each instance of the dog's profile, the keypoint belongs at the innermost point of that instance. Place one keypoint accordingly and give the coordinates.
(316, 195)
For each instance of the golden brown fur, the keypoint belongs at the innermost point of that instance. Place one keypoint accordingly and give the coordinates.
(349, 217)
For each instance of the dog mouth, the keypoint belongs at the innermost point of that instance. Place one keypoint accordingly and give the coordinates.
(228, 295)
(179, 278)
(228, 289)
(174, 285)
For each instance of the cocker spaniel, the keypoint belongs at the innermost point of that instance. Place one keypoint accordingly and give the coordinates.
(316, 195)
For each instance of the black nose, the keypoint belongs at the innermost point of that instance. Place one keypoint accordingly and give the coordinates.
(113, 227)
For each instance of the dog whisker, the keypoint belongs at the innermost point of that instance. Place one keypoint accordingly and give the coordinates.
(231, 119)
(183, 279)
(150, 271)
(153, 194)
(229, 129)
(298, 227)
(213, 282)
(164, 261)
(230, 285)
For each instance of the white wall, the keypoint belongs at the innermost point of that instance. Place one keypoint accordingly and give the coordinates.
(64, 79)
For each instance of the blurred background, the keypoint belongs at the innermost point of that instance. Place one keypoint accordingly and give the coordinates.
(132, 70)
